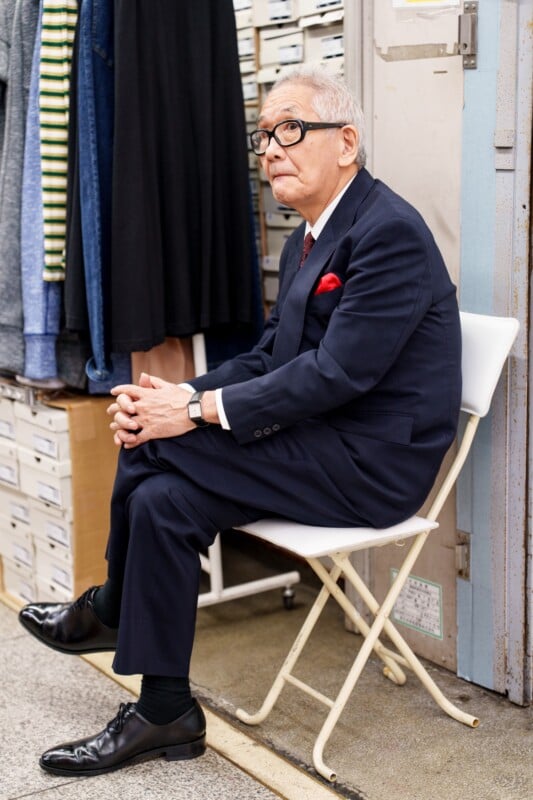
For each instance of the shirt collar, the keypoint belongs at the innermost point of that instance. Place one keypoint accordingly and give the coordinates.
(320, 224)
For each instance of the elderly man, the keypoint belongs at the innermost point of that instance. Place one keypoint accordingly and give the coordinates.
(340, 416)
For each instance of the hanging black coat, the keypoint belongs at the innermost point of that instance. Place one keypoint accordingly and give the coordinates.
(181, 243)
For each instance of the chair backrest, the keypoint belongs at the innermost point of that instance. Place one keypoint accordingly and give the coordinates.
(486, 342)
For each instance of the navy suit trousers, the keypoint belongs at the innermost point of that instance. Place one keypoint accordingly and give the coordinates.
(170, 499)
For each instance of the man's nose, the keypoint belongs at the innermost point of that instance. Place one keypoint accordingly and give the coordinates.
(274, 150)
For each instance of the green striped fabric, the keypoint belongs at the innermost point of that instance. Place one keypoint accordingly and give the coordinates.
(58, 28)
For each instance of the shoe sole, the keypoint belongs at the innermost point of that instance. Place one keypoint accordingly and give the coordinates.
(64, 650)
(176, 752)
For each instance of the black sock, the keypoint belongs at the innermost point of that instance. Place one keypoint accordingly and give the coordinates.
(164, 699)
(107, 603)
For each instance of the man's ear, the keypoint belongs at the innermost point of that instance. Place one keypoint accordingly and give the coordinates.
(350, 145)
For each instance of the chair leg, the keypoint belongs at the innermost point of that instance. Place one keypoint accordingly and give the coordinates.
(294, 653)
(400, 643)
(391, 669)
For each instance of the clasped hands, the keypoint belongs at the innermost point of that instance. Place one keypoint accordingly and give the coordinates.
(155, 409)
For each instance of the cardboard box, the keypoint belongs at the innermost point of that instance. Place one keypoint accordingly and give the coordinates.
(15, 505)
(7, 419)
(9, 466)
(18, 581)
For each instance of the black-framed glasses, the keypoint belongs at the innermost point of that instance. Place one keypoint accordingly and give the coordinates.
(286, 133)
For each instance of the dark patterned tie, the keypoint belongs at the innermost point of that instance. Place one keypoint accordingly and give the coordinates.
(308, 245)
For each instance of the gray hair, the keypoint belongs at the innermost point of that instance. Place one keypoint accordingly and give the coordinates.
(333, 101)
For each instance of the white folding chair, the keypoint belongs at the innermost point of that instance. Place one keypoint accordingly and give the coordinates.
(486, 344)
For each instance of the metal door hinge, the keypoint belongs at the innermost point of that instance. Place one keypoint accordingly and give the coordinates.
(468, 35)
(462, 555)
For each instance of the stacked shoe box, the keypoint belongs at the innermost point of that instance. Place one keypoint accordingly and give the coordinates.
(56, 471)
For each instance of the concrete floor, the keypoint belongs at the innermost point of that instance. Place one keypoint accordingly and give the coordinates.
(391, 743)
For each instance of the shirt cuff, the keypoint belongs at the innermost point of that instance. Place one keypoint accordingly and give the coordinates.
(187, 386)
(220, 410)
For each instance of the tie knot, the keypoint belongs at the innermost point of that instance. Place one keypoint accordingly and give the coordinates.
(308, 244)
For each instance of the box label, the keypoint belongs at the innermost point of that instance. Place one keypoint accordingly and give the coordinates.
(332, 46)
(56, 533)
(7, 429)
(48, 447)
(8, 474)
(48, 493)
(291, 54)
(279, 9)
(62, 577)
(419, 605)
(20, 512)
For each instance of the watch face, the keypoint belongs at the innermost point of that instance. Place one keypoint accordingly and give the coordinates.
(195, 410)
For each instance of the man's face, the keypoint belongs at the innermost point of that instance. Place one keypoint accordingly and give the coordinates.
(304, 176)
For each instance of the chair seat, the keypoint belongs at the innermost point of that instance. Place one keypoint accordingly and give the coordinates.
(311, 541)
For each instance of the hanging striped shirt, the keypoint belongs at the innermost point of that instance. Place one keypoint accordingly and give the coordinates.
(58, 28)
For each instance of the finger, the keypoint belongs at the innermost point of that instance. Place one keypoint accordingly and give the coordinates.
(129, 389)
(126, 422)
(125, 403)
(112, 409)
(145, 380)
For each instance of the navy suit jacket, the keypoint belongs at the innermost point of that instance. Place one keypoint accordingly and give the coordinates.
(377, 358)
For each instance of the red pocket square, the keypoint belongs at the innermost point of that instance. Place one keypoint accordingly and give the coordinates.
(328, 282)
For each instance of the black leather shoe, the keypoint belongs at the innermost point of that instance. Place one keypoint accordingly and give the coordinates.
(129, 739)
(69, 627)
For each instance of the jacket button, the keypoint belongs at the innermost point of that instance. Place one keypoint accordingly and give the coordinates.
(276, 427)
(258, 433)
(267, 431)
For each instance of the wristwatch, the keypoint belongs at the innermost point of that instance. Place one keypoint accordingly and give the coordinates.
(194, 409)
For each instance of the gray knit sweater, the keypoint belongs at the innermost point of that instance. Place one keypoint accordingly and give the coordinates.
(18, 24)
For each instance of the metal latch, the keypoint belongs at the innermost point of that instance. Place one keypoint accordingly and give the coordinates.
(468, 35)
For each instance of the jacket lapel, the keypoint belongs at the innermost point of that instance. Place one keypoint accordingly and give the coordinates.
(291, 322)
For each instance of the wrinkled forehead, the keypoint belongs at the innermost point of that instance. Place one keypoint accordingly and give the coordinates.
(289, 100)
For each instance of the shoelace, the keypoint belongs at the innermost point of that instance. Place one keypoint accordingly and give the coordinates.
(81, 602)
(116, 724)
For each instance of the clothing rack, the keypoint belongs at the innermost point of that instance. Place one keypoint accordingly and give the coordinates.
(212, 562)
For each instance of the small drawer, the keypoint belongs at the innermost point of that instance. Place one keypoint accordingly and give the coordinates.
(7, 419)
(19, 581)
(9, 465)
(45, 479)
(16, 545)
(52, 525)
(14, 505)
(52, 569)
